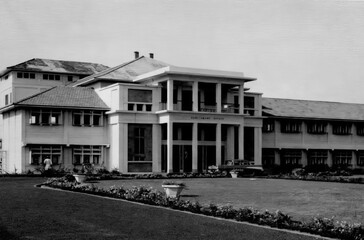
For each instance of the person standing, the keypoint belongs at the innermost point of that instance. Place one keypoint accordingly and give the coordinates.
(48, 166)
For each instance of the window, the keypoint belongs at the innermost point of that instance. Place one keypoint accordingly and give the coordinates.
(25, 75)
(341, 128)
(39, 153)
(268, 125)
(139, 100)
(316, 127)
(87, 118)
(342, 158)
(360, 129)
(6, 99)
(45, 117)
(70, 78)
(291, 126)
(317, 157)
(139, 144)
(291, 157)
(87, 155)
(360, 158)
(51, 77)
(1, 144)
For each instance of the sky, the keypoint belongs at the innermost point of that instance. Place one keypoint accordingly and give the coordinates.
(312, 50)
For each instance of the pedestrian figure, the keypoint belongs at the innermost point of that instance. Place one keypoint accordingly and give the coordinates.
(48, 166)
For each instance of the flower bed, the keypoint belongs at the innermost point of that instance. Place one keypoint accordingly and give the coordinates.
(321, 226)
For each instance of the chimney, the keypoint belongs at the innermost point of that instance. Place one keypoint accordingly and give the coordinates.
(151, 55)
(136, 54)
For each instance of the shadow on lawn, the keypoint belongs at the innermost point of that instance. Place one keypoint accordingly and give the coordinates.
(192, 195)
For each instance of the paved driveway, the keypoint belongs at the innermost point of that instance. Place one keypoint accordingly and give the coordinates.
(27, 212)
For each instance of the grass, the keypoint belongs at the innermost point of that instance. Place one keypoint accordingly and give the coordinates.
(27, 212)
(301, 199)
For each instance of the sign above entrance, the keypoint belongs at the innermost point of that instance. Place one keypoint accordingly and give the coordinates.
(206, 118)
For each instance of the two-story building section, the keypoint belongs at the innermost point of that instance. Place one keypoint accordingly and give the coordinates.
(165, 118)
(298, 133)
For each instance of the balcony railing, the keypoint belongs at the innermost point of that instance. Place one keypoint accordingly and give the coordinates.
(225, 108)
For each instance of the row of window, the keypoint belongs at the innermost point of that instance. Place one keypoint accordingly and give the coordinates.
(314, 157)
(313, 127)
(25, 75)
(29, 75)
(53, 117)
(80, 154)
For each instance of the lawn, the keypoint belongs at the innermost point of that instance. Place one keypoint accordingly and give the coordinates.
(28, 212)
(300, 199)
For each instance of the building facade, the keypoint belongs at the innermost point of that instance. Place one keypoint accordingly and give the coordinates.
(148, 116)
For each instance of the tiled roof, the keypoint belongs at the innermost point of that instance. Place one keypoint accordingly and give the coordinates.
(48, 65)
(67, 97)
(312, 109)
(126, 71)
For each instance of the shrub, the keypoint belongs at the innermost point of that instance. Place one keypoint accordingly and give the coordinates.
(321, 226)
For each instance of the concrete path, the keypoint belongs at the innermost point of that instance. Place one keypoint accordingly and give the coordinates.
(27, 212)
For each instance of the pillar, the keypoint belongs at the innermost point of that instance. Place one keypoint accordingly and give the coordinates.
(194, 147)
(170, 95)
(218, 144)
(218, 97)
(304, 160)
(157, 157)
(241, 141)
(330, 158)
(241, 99)
(230, 143)
(169, 147)
(258, 146)
(179, 97)
(195, 96)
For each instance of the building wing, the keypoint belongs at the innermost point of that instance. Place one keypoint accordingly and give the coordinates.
(312, 109)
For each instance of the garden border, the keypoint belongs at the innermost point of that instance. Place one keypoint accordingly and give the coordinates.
(186, 212)
(321, 226)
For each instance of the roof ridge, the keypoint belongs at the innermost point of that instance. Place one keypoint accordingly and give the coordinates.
(104, 72)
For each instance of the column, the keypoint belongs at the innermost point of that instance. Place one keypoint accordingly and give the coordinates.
(304, 160)
(241, 99)
(329, 158)
(169, 147)
(354, 159)
(230, 143)
(123, 147)
(258, 146)
(277, 157)
(157, 157)
(218, 144)
(179, 97)
(218, 97)
(170, 95)
(194, 147)
(241, 141)
(195, 96)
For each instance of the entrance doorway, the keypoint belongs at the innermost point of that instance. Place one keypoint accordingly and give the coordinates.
(206, 157)
(182, 158)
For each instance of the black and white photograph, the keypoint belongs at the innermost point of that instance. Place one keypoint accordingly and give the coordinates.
(191, 119)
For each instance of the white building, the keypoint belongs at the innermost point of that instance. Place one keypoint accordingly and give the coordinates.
(141, 116)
